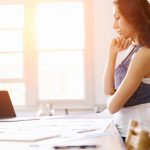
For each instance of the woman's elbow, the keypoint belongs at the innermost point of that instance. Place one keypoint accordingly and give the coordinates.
(109, 92)
(112, 109)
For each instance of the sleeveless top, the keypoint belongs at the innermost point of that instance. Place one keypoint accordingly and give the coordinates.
(142, 94)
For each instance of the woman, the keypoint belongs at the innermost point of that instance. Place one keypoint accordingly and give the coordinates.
(129, 84)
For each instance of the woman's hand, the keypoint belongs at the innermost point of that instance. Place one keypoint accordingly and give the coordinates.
(119, 44)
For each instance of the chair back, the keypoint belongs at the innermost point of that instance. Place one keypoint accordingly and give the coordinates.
(137, 138)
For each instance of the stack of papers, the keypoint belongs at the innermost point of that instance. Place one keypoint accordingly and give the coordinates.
(29, 136)
(15, 119)
(40, 129)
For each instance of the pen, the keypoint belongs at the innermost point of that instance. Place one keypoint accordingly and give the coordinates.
(75, 146)
(87, 130)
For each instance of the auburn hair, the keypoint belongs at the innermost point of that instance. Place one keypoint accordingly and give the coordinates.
(137, 13)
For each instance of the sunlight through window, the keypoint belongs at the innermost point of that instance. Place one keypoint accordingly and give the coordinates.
(61, 25)
(11, 51)
(60, 44)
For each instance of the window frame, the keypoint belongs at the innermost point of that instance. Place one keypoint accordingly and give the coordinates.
(30, 64)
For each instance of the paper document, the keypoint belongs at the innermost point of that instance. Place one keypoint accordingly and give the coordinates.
(26, 136)
(15, 119)
(34, 130)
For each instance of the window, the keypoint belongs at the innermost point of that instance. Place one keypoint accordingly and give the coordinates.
(45, 55)
(11, 51)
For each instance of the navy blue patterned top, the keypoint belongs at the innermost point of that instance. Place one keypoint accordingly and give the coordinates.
(142, 94)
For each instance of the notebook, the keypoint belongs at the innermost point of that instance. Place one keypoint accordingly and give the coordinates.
(7, 112)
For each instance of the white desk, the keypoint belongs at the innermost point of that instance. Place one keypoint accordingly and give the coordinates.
(109, 141)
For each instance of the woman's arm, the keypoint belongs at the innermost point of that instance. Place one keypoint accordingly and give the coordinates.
(117, 45)
(138, 68)
(109, 72)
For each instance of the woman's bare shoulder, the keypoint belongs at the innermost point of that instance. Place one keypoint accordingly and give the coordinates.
(141, 59)
(143, 54)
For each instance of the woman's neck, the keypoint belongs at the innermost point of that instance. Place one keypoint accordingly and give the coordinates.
(135, 40)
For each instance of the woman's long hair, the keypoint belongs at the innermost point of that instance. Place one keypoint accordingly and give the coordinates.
(137, 13)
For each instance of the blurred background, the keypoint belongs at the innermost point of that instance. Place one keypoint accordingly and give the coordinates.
(53, 52)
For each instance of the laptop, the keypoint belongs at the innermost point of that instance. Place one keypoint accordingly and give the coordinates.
(7, 111)
(6, 107)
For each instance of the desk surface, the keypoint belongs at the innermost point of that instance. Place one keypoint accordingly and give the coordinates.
(112, 142)
(109, 141)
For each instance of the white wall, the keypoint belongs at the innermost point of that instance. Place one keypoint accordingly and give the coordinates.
(103, 33)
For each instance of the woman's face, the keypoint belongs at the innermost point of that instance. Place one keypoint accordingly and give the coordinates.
(121, 26)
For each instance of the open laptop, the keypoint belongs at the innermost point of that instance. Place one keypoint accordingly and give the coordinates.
(7, 112)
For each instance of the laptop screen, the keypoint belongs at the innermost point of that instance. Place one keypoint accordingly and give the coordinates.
(6, 107)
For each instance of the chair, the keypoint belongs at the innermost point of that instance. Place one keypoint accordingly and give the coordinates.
(137, 137)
